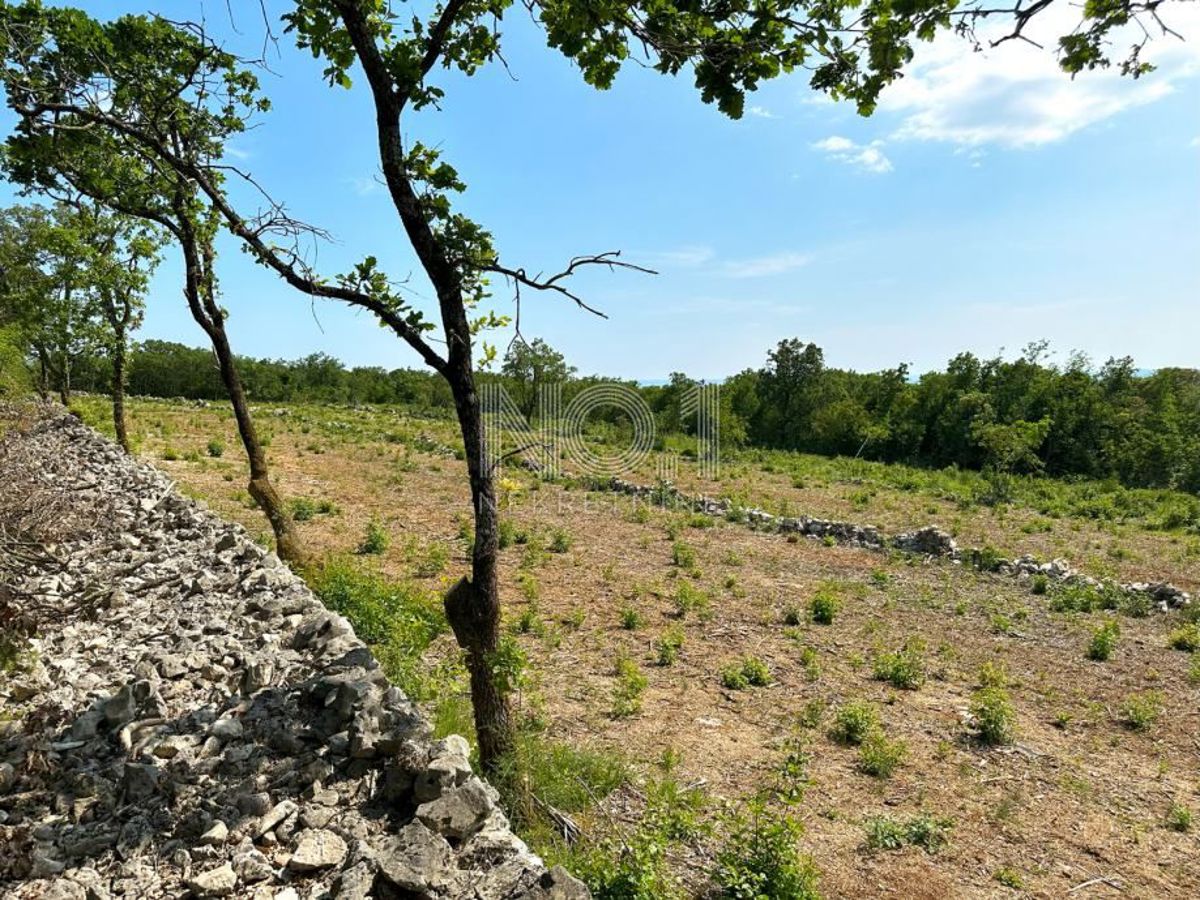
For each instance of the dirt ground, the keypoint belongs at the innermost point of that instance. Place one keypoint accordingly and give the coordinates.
(1078, 799)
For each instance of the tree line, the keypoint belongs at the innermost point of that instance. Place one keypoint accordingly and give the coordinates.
(1024, 415)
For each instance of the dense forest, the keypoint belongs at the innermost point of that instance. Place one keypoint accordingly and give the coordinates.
(1022, 415)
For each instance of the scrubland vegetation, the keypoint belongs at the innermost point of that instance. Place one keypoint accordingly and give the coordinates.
(707, 706)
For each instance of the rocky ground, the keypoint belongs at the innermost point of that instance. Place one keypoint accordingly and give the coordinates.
(189, 720)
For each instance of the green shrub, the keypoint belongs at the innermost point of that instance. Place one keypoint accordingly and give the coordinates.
(733, 678)
(1040, 584)
(170, 454)
(1140, 711)
(560, 541)
(823, 607)
(1179, 818)
(627, 693)
(1104, 641)
(985, 558)
(302, 508)
(924, 831)
(1079, 596)
(904, 668)
(749, 672)
(529, 621)
(689, 598)
(509, 665)
(568, 778)
(1008, 877)
(1186, 638)
(808, 659)
(215, 448)
(683, 555)
(756, 671)
(432, 560)
(668, 646)
(506, 534)
(993, 716)
(634, 866)
(993, 674)
(853, 722)
(792, 616)
(760, 858)
(879, 756)
(528, 584)
(375, 541)
(631, 619)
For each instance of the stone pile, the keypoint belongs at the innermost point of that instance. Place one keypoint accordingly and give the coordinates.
(206, 728)
(931, 542)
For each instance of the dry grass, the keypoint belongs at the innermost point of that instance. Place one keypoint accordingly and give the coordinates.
(1076, 797)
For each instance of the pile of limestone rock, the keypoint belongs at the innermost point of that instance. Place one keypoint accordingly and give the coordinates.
(194, 722)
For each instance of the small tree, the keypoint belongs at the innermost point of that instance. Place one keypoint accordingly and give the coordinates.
(530, 366)
(127, 254)
(52, 289)
(63, 53)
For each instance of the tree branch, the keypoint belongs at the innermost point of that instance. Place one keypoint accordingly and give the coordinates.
(554, 283)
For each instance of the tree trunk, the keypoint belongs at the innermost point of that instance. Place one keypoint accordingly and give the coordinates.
(287, 542)
(43, 375)
(473, 608)
(118, 390)
(64, 382)
(198, 259)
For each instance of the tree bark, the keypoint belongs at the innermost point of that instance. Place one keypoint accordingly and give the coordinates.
(118, 389)
(64, 381)
(473, 608)
(43, 375)
(200, 292)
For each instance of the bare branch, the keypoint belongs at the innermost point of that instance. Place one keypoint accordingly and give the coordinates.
(609, 259)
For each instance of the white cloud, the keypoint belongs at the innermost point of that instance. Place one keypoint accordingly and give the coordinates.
(1016, 95)
(364, 187)
(686, 257)
(762, 112)
(760, 266)
(866, 156)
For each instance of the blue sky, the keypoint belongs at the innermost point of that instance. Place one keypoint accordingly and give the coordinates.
(991, 201)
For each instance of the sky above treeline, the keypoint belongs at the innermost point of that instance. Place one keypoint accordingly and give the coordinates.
(991, 201)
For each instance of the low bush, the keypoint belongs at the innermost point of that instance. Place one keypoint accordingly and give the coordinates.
(668, 646)
(376, 541)
(748, 672)
(823, 607)
(760, 858)
(992, 716)
(880, 757)
(1104, 641)
(1186, 638)
(628, 690)
(924, 831)
(905, 668)
(853, 722)
(1140, 711)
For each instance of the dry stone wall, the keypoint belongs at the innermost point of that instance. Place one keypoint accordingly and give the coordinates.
(193, 722)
